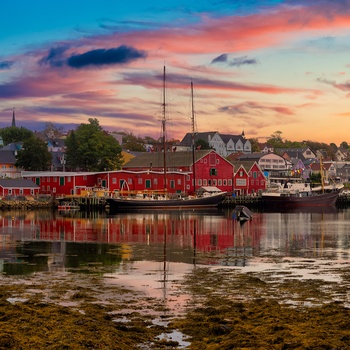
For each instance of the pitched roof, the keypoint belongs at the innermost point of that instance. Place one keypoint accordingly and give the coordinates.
(17, 183)
(7, 157)
(187, 140)
(227, 137)
(173, 159)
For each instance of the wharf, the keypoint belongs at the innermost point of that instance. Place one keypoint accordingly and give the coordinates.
(232, 201)
(84, 202)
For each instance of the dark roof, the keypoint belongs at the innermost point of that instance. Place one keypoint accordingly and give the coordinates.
(251, 156)
(173, 159)
(14, 146)
(17, 183)
(187, 140)
(246, 164)
(7, 157)
(227, 137)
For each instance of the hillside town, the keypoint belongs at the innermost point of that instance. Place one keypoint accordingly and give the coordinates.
(227, 163)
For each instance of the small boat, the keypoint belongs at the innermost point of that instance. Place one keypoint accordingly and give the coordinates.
(68, 206)
(242, 213)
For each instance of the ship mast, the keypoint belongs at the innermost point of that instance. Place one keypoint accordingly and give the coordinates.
(193, 142)
(164, 133)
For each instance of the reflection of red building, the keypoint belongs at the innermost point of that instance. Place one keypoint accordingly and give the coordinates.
(180, 230)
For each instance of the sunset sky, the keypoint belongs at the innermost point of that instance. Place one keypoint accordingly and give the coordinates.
(257, 66)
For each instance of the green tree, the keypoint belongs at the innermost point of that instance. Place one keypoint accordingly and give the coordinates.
(344, 145)
(255, 144)
(133, 143)
(202, 144)
(275, 140)
(34, 155)
(14, 134)
(90, 148)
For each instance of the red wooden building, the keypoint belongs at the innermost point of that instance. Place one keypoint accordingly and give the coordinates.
(145, 172)
(18, 187)
(257, 180)
(241, 181)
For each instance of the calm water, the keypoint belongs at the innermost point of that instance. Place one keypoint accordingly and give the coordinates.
(149, 253)
(51, 241)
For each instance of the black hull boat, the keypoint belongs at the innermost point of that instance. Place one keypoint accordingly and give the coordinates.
(130, 204)
(296, 200)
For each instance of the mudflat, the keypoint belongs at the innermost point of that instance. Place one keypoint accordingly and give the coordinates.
(219, 308)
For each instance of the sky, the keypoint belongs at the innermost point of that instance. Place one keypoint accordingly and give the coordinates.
(256, 66)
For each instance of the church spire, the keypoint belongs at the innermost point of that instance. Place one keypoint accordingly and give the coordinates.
(13, 117)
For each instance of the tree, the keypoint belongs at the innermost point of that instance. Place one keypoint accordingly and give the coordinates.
(133, 143)
(275, 140)
(344, 145)
(255, 144)
(90, 148)
(14, 134)
(52, 131)
(202, 144)
(34, 155)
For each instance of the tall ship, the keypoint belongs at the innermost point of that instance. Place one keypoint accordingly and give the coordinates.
(162, 200)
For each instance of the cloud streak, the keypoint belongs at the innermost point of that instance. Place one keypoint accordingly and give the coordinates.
(240, 56)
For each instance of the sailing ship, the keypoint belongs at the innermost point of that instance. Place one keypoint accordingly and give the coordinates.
(298, 195)
(163, 200)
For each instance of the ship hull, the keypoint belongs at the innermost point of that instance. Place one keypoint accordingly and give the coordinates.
(130, 204)
(315, 200)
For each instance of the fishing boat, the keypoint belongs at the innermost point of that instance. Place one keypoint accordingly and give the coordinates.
(295, 195)
(165, 200)
(294, 199)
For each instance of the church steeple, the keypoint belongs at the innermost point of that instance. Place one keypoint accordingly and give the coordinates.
(13, 117)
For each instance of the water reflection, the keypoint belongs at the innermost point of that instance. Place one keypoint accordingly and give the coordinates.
(51, 241)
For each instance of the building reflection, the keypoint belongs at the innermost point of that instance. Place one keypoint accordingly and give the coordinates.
(52, 239)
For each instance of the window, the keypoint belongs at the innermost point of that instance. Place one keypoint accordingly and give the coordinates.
(32, 192)
(48, 179)
(48, 189)
(230, 182)
(255, 174)
(20, 191)
(55, 179)
(204, 182)
(172, 184)
(252, 182)
(214, 182)
(155, 181)
(220, 182)
(241, 182)
(225, 182)
(114, 181)
(54, 190)
(179, 181)
(139, 180)
(200, 182)
(85, 177)
(213, 172)
(148, 183)
(129, 180)
(69, 179)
